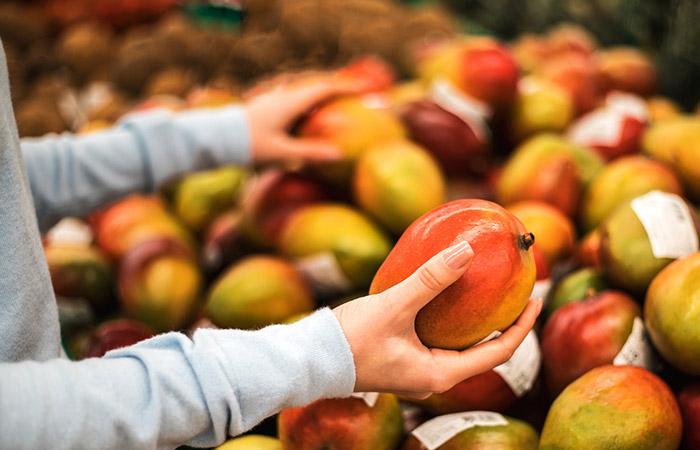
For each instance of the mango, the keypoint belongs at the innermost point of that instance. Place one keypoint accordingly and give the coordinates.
(271, 198)
(460, 146)
(398, 182)
(493, 291)
(134, 220)
(348, 241)
(576, 286)
(676, 141)
(541, 106)
(550, 169)
(626, 252)
(575, 74)
(620, 407)
(621, 181)
(344, 423)
(588, 250)
(479, 67)
(505, 433)
(672, 313)
(251, 442)
(586, 334)
(160, 284)
(82, 272)
(554, 231)
(200, 197)
(114, 334)
(222, 242)
(353, 127)
(662, 108)
(689, 402)
(257, 291)
(627, 69)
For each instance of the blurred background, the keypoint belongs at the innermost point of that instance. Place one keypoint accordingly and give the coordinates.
(58, 49)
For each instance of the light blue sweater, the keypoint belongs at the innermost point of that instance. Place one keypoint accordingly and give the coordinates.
(163, 392)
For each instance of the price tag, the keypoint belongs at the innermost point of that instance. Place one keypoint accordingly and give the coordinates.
(70, 231)
(628, 105)
(472, 112)
(324, 274)
(668, 223)
(637, 350)
(521, 370)
(435, 432)
(370, 398)
(597, 128)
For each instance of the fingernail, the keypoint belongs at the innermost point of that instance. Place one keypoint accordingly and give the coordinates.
(458, 255)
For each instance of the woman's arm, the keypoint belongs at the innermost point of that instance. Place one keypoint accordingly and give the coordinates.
(73, 175)
(170, 390)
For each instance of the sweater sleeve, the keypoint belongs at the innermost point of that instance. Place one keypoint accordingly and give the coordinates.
(170, 390)
(71, 175)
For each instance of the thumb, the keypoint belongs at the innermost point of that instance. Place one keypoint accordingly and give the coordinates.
(433, 277)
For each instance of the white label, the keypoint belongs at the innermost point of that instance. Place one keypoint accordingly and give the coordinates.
(668, 223)
(435, 432)
(490, 337)
(370, 398)
(541, 288)
(70, 231)
(324, 274)
(520, 371)
(637, 350)
(627, 105)
(472, 112)
(601, 127)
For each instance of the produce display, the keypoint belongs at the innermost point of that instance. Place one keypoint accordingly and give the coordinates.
(553, 156)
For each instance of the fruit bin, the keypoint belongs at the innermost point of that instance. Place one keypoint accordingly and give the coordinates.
(578, 133)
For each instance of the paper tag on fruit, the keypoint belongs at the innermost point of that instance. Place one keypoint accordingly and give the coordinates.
(472, 112)
(70, 231)
(668, 223)
(435, 432)
(370, 398)
(627, 105)
(541, 288)
(598, 128)
(324, 274)
(637, 350)
(520, 371)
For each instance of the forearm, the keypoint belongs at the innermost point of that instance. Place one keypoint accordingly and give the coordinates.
(72, 175)
(169, 390)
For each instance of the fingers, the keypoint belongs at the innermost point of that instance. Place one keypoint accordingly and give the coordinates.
(313, 150)
(432, 277)
(486, 356)
(305, 94)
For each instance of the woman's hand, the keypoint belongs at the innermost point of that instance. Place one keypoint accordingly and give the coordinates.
(388, 355)
(274, 106)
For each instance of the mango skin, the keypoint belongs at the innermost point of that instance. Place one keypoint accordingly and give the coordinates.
(160, 284)
(676, 141)
(83, 272)
(584, 335)
(397, 183)
(574, 287)
(525, 175)
(342, 424)
(672, 313)
(357, 243)
(689, 402)
(613, 407)
(621, 181)
(352, 125)
(493, 291)
(625, 251)
(540, 107)
(200, 197)
(483, 392)
(251, 442)
(517, 435)
(257, 291)
(555, 234)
